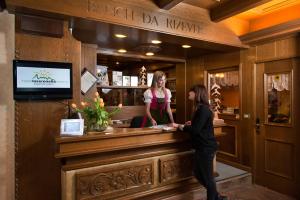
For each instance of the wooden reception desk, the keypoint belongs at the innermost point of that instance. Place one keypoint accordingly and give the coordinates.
(127, 163)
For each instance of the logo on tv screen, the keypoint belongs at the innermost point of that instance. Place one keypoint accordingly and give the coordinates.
(43, 77)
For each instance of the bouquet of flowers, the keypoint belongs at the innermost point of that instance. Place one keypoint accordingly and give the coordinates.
(96, 116)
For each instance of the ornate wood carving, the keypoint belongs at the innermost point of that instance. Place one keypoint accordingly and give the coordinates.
(102, 183)
(176, 167)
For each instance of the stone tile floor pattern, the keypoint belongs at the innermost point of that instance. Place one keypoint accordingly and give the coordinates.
(253, 192)
(234, 188)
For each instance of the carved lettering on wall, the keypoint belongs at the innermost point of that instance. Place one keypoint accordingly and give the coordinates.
(101, 183)
(176, 168)
(195, 24)
(146, 18)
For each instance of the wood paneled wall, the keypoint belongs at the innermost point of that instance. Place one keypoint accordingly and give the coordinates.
(261, 54)
(180, 92)
(37, 122)
(247, 102)
(196, 70)
(7, 46)
(195, 75)
(257, 53)
(283, 48)
(243, 144)
(89, 61)
(297, 116)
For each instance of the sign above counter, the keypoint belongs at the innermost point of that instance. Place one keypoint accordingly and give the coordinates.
(184, 20)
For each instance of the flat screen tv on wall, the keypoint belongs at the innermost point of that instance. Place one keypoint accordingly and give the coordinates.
(39, 80)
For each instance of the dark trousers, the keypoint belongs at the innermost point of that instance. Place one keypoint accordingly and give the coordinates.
(203, 171)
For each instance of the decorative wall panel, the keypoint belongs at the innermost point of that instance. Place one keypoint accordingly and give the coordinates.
(174, 168)
(106, 183)
(279, 158)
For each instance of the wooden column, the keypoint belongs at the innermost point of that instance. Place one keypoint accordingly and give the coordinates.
(89, 61)
(37, 122)
(7, 47)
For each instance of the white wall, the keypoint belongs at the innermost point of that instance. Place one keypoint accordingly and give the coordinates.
(7, 161)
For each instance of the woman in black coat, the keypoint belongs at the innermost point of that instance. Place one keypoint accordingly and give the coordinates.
(203, 140)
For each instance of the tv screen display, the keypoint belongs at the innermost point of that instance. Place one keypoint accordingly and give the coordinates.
(39, 80)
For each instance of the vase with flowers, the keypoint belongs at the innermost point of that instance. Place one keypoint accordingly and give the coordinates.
(97, 118)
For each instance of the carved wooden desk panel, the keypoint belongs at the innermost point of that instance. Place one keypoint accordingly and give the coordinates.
(125, 164)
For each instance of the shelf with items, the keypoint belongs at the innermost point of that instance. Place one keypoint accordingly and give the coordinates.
(171, 79)
(171, 85)
(121, 87)
(127, 95)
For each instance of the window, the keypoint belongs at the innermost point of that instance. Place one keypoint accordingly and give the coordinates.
(278, 89)
(224, 93)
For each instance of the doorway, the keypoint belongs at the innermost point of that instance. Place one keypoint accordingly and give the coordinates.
(276, 122)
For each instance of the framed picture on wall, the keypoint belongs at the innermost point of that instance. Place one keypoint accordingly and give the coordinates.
(87, 81)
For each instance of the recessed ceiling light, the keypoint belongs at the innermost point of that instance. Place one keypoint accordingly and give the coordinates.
(156, 41)
(186, 46)
(149, 54)
(120, 36)
(122, 51)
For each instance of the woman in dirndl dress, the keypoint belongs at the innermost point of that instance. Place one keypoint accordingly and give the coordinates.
(157, 100)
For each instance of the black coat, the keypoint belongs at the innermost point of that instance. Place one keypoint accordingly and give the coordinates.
(201, 130)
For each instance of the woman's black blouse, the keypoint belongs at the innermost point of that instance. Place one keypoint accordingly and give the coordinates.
(202, 130)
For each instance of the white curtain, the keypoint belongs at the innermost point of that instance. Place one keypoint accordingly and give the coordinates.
(279, 82)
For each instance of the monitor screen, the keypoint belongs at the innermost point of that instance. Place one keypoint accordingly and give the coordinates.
(38, 80)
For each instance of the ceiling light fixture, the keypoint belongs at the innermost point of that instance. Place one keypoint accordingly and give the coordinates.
(186, 46)
(120, 36)
(155, 41)
(149, 54)
(122, 51)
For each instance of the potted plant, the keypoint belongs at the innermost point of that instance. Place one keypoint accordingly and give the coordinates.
(97, 118)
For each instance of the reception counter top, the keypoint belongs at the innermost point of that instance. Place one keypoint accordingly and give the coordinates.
(126, 163)
(117, 139)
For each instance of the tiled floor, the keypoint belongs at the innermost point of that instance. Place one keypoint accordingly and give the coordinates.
(236, 184)
(254, 192)
(226, 171)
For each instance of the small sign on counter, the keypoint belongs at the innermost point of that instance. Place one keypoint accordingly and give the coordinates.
(71, 127)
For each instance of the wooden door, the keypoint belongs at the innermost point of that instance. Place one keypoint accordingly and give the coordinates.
(277, 121)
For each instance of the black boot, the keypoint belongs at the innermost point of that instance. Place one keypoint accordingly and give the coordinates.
(221, 197)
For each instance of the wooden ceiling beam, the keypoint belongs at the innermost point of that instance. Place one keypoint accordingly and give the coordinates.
(233, 7)
(2, 5)
(167, 4)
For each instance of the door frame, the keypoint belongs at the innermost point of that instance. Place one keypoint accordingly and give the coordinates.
(294, 115)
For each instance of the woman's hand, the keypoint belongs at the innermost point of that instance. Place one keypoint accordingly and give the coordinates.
(181, 126)
(188, 123)
(153, 122)
(174, 125)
